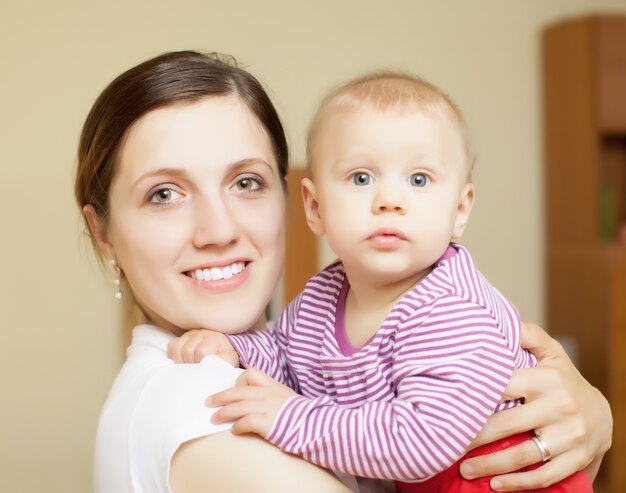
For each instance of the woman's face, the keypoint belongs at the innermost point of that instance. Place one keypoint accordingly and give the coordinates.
(197, 216)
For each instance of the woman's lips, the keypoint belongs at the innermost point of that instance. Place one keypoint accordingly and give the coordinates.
(217, 273)
(220, 278)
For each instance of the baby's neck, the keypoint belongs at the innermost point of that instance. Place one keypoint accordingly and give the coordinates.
(368, 305)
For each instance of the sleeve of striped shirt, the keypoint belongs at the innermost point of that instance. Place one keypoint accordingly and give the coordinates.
(266, 349)
(448, 376)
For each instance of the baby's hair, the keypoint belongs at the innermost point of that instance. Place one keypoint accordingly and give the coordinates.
(395, 91)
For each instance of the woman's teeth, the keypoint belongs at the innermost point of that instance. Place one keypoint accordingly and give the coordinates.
(217, 273)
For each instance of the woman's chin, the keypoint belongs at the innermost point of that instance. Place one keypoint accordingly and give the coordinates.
(227, 320)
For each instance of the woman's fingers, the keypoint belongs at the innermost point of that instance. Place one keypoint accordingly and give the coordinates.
(513, 458)
(516, 420)
(538, 342)
(510, 459)
(573, 418)
(520, 456)
(528, 383)
(549, 473)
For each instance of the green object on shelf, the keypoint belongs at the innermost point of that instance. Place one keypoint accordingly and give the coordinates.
(607, 218)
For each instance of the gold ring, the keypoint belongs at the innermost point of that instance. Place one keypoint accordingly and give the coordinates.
(543, 448)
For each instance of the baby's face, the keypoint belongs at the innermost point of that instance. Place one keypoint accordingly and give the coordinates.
(392, 190)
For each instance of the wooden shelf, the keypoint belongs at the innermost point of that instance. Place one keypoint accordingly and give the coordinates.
(584, 69)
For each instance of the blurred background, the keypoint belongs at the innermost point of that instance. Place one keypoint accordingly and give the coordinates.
(60, 327)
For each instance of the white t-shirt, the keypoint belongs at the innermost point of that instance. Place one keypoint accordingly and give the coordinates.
(153, 407)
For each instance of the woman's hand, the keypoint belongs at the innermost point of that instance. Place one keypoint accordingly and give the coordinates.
(572, 417)
(194, 345)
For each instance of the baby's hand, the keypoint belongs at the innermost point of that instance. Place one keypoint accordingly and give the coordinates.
(253, 403)
(194, 345)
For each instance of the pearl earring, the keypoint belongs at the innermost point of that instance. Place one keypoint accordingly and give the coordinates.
(117, 279)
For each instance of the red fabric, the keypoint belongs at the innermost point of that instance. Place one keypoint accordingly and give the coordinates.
(451, 481)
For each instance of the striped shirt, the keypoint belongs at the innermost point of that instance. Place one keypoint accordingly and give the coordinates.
(408, 403)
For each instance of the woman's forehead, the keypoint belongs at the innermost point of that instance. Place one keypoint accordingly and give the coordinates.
(214, 131)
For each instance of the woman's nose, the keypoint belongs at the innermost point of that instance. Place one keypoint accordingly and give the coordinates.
(214, 223)
(389, 198)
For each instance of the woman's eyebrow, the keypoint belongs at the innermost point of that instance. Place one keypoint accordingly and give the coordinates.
(243, 163)
(175, 172)
(182, 173)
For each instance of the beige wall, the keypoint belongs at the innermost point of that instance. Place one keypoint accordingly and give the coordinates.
(60, 342)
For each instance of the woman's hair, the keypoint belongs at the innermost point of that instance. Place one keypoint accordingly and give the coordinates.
(181, 76)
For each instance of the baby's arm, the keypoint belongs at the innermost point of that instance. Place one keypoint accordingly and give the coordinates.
(439, 407)
(262, 349)
(194, 345)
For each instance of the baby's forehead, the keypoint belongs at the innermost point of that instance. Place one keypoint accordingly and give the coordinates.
(390, 93)
(437, 112)
(334, 128)
(338, 120)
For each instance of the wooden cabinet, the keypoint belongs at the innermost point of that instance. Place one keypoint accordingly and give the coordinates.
(301, 256)
(584, 71)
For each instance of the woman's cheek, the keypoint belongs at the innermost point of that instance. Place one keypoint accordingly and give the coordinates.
(264, 220)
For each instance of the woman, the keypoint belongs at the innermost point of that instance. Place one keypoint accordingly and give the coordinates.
(181, 179)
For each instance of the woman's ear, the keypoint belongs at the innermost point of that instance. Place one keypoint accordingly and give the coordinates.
(98, 230)
(311, 206)
(463, 211)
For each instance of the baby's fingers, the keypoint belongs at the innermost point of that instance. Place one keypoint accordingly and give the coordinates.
(234, 411)
(234, 394)
(194, 345)
(251, 423)
(191, 351)
(174, 349)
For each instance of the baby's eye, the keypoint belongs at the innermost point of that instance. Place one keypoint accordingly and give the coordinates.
(361, 179)
(164, 196)
(419, 180)
(247, 184)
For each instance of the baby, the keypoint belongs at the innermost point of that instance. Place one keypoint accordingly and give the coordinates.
(400, 350)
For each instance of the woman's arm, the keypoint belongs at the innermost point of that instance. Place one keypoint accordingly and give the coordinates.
(227, 463)
(573, 418)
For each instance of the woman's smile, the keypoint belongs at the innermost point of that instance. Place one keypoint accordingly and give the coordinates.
(216, 272)
(225, 277)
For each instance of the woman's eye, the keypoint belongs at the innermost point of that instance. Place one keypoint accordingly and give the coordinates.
(164, 196)
(419, 180)
(248, 184)
(361, 179)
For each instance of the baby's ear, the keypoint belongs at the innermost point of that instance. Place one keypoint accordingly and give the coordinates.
(463, 211)
(311, 206)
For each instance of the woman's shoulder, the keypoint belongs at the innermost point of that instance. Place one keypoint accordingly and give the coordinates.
(153, 407)
(232, 463)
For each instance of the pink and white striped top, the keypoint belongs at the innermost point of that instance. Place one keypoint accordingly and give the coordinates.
(407, 404)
